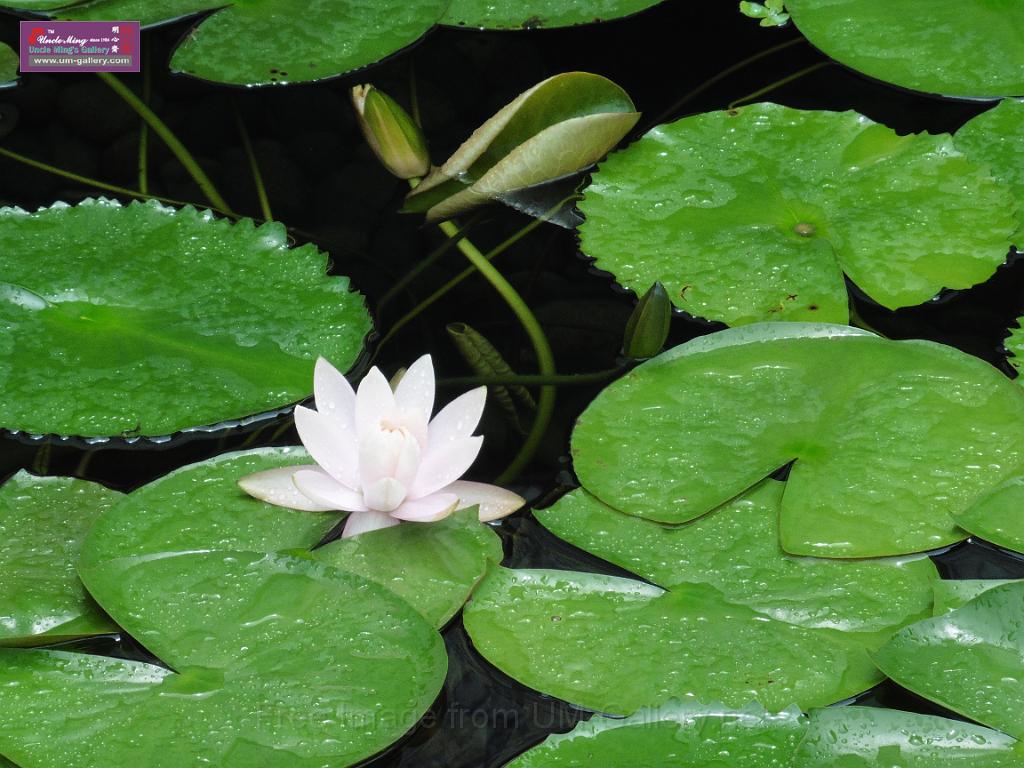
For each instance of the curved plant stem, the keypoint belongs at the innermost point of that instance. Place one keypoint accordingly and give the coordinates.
(563, 380)
(779, 83)
(425, 263)
(539, 340)
(40, 165)
(161, 129)
(694, 93)
(254, 166)
(147, 92)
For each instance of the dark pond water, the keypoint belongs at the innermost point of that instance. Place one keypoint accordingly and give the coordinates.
(324, 184)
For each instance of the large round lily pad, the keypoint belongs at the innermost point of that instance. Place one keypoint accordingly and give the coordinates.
(143, 320)
(278, 661)
(43, 521)
(676, 735)
(736, 550)
(757, 213)
(998, 516)
(616, 645)
(968, 660)
(889, 439)
(967, 48)
(535, 14)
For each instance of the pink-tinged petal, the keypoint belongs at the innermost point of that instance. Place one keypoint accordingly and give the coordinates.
(324, 489)
(378, 455)
(385, 495)
(458, 419)
(444, 465)
(334, 396)
(494, 502)
(429, 509)
(375, 402)
(408, 464)
(275, 486)
(334, 450)
(415, 392)
(364, 522)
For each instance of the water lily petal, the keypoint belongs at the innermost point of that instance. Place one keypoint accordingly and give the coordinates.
(333, 449)
(375, 402)
(275, 486)
(458, 419)
(334, 396)
(415, 392)
(324, 489)
(364, 522)
(428, 509)
(495, 502)
(444, 465)
(385, 495)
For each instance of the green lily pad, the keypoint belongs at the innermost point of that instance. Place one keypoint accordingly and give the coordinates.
(200, 508)
(675, 736)
(434, 567)
(968, 660)
(535, 14)
(996, 138)
(736, 550)
(998, 516)
(867, 737)
(561, 125)
(280, 661)
(259, 42)
(890, 439)
(143, 320)
(757, 213)
(42, 523)
(1015, 346)
(9, 65)
(615, 645)
(966, 48)
(951, 594)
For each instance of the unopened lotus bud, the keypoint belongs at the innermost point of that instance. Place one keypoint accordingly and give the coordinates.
(391, 133)
(648, 326)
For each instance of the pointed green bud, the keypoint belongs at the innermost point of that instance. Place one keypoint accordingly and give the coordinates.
(648, 326)
(391, 133)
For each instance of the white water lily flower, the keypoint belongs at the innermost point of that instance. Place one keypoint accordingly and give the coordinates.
(381, 457)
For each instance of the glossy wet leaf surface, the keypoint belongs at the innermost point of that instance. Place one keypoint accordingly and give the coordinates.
(258, 42)
(43, 521)
(890, 439)
(616, 645)
(140, 320)
(675, 736)
(736, 550)
(998, 516)
(996, 138)
(943, 46)
(279, 661)
(561, 125)
(867, 737)
(757, 213)
(200, 508)
(434, 567)
(968, 660)
(951, 594)
(8, 65)
(536, 14)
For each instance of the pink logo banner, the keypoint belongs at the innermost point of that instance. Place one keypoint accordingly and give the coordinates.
(80, 46)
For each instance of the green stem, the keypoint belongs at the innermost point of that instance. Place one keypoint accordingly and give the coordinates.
(161, 129)
(427, 262)
(469, 272)
(40, 165)
(567, 379)
(254, 166)
(690, 95)
(779, 83)
(147, 92)
(541, 346)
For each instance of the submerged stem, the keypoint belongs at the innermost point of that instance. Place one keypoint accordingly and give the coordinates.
(254, 166)
(161, 129)
(779, 83)
(147, 92)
